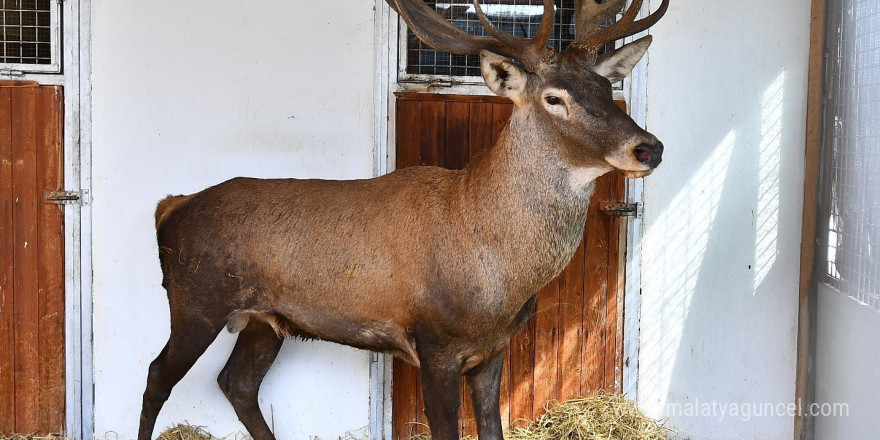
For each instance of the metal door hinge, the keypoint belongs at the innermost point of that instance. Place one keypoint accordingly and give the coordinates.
(80, 197)
(11, 72)
(621, 209)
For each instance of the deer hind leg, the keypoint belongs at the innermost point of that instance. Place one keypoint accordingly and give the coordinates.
(240, 380)
(484, 385)
(190, 337)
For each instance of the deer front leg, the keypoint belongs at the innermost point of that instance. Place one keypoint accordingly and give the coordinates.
(484, 385)
(441, 388)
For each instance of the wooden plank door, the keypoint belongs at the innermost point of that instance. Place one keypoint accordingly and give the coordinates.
(573, 344)
(31, 260)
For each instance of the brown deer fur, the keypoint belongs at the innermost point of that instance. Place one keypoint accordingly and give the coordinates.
(437, 267)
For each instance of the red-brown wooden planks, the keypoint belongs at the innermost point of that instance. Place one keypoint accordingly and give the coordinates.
(456, 146)
(571, 308)
(595, 291)
(7, 316)
(616, 282)
(51, 261)
(31, 261)
(433, 133)
(25, 253)
(481, 127)
(522, 369)
(546, 386)
(403, 399)
(572, 346)
(409, 122)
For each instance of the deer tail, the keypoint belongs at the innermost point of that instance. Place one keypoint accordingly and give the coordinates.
(167, 207)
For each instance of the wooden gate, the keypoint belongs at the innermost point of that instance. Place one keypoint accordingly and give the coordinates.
(31, 260)
(573, 344)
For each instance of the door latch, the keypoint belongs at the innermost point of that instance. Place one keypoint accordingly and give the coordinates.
(62, 197)
(621, 209)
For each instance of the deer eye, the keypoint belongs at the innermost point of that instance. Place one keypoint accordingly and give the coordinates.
(553, 100)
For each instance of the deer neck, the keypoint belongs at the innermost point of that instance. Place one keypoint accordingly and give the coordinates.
(528, 206)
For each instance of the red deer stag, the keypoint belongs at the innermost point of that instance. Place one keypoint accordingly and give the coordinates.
(436, 267)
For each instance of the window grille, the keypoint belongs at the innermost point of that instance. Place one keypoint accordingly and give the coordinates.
(851, 164)
(419, 62)
(30, 35)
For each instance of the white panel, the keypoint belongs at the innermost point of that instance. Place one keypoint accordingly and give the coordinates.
(846, 368)
(186, 95)
(726, 95)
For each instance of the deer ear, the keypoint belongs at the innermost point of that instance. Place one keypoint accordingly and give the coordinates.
(502, 76)
(619, 64)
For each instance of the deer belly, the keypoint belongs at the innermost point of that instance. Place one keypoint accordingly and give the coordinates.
(380, 336)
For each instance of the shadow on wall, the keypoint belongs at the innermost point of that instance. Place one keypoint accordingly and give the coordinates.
(711, 253)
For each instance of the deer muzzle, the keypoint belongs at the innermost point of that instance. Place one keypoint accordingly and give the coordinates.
(649, 154)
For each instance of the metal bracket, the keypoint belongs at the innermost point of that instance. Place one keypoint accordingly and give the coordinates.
(62, 197)
(621, 209)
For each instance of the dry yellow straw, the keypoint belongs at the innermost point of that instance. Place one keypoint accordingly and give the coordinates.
(185, 432)
(601, 417)
(32, 437)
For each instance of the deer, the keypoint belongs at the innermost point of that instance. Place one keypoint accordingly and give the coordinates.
(440, 268)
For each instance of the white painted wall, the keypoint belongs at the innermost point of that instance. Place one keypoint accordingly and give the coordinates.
(186, 95)
(847, 356)
(726, 94)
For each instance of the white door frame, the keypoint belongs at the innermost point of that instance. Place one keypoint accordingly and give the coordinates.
(79, 380)
(635, 93)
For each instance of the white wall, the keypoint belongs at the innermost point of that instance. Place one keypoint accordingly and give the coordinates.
(186, 95)
(726, 94)
(847, 356)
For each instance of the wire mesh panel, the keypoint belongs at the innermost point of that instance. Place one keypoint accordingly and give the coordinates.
(520, 18)
(852, 150)
(28, 29)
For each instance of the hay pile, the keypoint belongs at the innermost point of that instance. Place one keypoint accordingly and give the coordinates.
(32, 437)
(601, 417)
(185, 432)
(190, 432)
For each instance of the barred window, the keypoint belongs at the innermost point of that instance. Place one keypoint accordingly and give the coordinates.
(29, 35)
(851, 163)
(522, 18)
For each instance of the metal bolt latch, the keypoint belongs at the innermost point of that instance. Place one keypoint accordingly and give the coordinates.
(66, 197)
(621, 209)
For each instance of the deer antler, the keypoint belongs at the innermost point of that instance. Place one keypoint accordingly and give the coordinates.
(440, 34)
(590, 37)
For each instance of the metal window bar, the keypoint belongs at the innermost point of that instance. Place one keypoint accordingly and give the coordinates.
(521, 18)
(851, 164)
(29, 35)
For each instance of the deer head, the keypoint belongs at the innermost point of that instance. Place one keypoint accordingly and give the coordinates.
(568, 94)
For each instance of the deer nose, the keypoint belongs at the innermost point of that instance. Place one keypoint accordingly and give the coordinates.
(649, 154)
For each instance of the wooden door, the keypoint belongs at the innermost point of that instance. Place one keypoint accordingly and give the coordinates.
(31, 261)
(573, 345)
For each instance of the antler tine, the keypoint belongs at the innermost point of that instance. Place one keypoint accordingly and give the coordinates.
(591, 14)
(546, 30)
(440, 34)
(604, 36)
(498, 34)
(646, 22)
(592, 41)
(533, 50)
